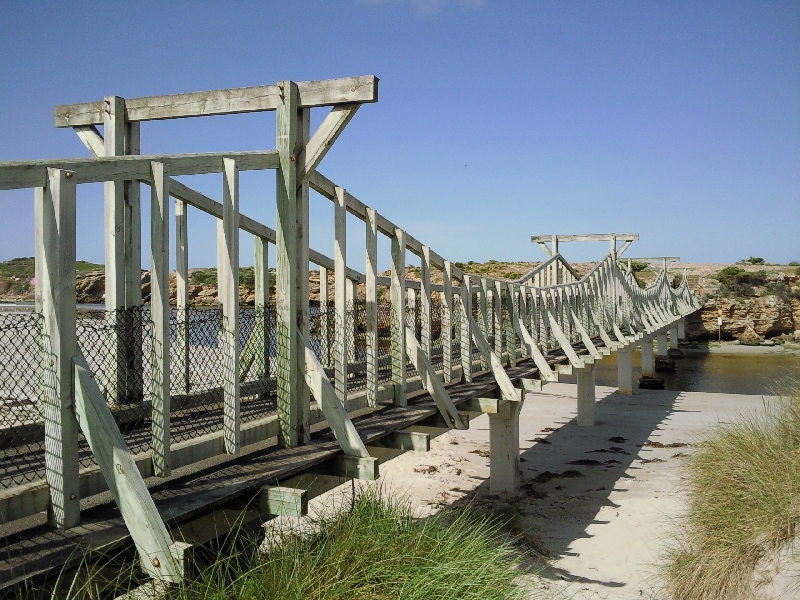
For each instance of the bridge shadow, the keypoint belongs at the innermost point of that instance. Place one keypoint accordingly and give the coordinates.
(569, 472)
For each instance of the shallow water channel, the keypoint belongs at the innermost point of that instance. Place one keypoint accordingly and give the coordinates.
(701, 370)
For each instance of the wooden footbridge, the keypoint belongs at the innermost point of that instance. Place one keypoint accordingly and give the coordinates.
(139, 425)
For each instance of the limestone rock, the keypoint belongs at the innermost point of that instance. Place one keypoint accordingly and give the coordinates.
(749, 337)
(766, 315)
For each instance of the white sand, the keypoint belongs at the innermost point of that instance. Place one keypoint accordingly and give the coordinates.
(604, 531)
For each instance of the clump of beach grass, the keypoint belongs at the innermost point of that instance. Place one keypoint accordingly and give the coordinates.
(372, 548)
(743, 485)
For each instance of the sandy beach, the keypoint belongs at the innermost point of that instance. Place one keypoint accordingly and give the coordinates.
(596, 503)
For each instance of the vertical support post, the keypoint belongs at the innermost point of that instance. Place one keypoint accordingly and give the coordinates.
(303, 400)
(497, 312)
(371, 303)
(673, 336)
(287, 302)
(114, 215)
(398, 298)
(662, 342)
(425, 300)
(228, 273)
(324, 321)
(682, 329)
(466, 329)
(625, 370)
(182, 293)
(504, 449)
(341, 335)
(54, 213)
(261, 331)
(648, 364)
(159, 317)
(447, 321)
(586, 396)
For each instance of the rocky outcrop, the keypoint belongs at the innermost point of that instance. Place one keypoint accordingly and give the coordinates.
(749, 337)
(767, 316)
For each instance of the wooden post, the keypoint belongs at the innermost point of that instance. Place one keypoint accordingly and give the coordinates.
(341, 334)
(511, 316)
(673, 336)
(425, 300)
(114, 195)
(398, 298)
(662, 342)
(228, 274)
(287, 303)
(466, 329)
(159, 316)
(182, 292)
(301, 228)
(483, 310)
(497, 312)
(54, 214)
(371, 301)
(447, 321)
(261, 331)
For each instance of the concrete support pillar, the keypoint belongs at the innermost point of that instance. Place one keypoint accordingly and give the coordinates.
(673, 337)
(662, 343)
(504, 448)
(648, 363)
(625, 370)
(586, 398)
(682, 329)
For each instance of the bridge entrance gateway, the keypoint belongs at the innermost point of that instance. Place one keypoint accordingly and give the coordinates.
(180, 412)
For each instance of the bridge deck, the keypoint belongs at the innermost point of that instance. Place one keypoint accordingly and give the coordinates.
(38, 550)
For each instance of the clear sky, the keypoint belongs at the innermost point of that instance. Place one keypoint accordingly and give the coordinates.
(497, 120)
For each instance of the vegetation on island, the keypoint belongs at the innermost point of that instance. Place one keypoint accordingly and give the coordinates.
(17, 276)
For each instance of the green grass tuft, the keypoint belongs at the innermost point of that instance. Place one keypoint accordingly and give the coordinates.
(744, 504)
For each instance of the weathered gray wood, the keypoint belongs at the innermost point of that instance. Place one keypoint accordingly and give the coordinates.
(159, 316)
(431, 381)
(282, 501)
(33, 173)
(303, 399)
(585, 337)
(497, 316)
(228, 274)
(182, 291)
(326, 92)
(54, 217)
(397, 293)
(591, 237)
(466, 329)
(287, 303)
(564, 342)
(325, 136)
(341, 335)
(405, 440)
(119, 470)
(330, 404)
(545, 372)
(371, 304)
(511, 317)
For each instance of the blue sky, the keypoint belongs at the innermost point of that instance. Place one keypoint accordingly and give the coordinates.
(497, 120)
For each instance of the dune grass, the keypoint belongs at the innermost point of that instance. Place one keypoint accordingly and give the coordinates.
(372, 549)
(744, 504)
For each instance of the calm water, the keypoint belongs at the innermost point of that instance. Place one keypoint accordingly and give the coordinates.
(702, 371)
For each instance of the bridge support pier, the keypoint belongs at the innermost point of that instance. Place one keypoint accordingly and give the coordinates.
(504, 448)
(682, 329)
(648, 362)
(662, 342)
(586, 397)
(625, 370)
(673, 337)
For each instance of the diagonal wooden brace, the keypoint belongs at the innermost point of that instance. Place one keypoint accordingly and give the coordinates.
(561, 337)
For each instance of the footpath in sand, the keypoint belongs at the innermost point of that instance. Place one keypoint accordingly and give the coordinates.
(597, 502)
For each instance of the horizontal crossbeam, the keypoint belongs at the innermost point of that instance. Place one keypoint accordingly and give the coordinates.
(589, 237)
(326, 92)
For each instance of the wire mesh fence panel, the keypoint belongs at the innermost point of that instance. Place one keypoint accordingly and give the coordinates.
(356, 333)
(384, 341)
(257, 364)
(21, 419)
(437, 323)
(414, 322)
